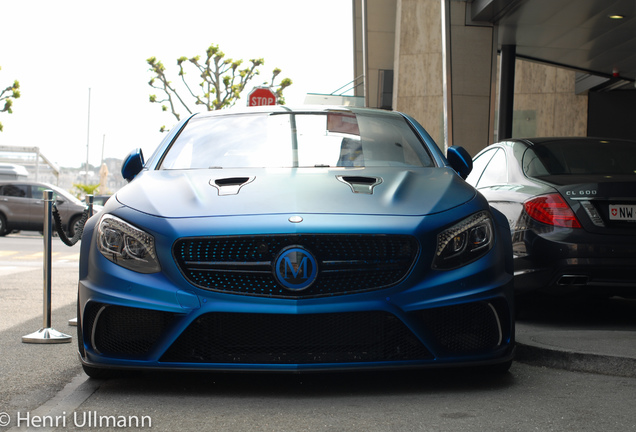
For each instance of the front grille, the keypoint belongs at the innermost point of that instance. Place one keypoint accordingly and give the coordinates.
(468, 328)
(123, 331)
(346, 263)
(296, 339)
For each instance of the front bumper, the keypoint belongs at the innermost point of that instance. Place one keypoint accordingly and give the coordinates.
(566, 260)
(476, 332)
(161, 321)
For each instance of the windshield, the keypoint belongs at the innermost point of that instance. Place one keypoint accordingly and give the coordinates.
(577, 157)
(37, 191)
(326, 139)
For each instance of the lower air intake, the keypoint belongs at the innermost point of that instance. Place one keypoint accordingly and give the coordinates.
(296, 339)
(123, 331)
(470, 328)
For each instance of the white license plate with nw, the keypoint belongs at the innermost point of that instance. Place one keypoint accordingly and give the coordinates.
(622, 212)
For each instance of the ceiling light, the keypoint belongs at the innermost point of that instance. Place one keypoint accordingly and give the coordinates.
(616, 16)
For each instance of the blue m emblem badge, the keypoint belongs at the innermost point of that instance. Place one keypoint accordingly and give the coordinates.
(295, 268)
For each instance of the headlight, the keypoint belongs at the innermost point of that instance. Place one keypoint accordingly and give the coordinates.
(464, 242)
(126, 245)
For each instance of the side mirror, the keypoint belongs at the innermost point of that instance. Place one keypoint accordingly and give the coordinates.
(459, 160)
(133, 164)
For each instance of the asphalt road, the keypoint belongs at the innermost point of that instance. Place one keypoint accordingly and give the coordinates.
(43, 387)
(22, 276)
(31, 374)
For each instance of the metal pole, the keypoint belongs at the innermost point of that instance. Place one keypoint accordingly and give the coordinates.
(365, 54)
(37, 163)
(88, 136)
(447, 87)
(506, 91)
(48, 256)
(89, 203)
(46, 334)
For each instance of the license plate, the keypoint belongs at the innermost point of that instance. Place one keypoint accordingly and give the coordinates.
(622, 212)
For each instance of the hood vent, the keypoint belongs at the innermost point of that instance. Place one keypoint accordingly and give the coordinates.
(230, 185)
(360, 184)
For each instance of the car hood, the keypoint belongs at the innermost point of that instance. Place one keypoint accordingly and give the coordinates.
(233, 192)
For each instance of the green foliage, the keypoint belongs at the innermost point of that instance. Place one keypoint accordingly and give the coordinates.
(8, 95)
(85, 189)
(220, 81)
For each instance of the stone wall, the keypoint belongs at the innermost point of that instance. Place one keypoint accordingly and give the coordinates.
(545, 100)
(418, 80)
(546, 103)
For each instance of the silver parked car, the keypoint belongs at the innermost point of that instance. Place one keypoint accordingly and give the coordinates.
(22, 206)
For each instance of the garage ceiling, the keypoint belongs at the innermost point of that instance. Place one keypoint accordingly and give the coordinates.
(579, 34)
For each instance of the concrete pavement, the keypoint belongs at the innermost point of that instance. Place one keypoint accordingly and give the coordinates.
(580, 335)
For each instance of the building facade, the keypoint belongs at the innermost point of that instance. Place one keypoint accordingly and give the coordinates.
(425, 58)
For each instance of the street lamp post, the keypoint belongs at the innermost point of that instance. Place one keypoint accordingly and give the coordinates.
(88, 136)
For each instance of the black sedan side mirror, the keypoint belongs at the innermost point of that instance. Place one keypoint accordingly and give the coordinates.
(459, 160)
(133, 164)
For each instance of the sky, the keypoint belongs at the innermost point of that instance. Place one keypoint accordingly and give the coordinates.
(65, 50)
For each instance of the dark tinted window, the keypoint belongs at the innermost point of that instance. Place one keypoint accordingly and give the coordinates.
(14, 190)
(575, 157)
(37, 192)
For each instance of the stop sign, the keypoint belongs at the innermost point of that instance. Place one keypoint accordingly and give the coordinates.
(261, 96)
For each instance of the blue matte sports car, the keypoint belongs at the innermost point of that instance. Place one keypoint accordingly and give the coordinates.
(279, 239)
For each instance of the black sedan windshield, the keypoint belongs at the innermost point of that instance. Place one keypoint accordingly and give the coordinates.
(325, 139)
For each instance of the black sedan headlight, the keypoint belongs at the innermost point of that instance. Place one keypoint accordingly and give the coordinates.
(127, 245)
(464, 242)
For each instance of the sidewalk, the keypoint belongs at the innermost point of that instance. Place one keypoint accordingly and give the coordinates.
(587, 337)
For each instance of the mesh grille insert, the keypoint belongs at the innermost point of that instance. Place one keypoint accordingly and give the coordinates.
(125, 331)
(296, 339)
(469, 328)
(346, 263)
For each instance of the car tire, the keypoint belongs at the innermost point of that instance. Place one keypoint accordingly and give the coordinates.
(73, 226)
(3, 226)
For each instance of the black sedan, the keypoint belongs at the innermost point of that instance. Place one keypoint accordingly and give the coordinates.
(571, 206)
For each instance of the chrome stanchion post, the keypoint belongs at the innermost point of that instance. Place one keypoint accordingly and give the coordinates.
(46, 334)
(89, 203)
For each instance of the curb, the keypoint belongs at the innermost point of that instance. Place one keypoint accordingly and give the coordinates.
(576, 361)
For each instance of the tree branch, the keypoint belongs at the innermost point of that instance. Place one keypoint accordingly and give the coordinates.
(221, 81)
